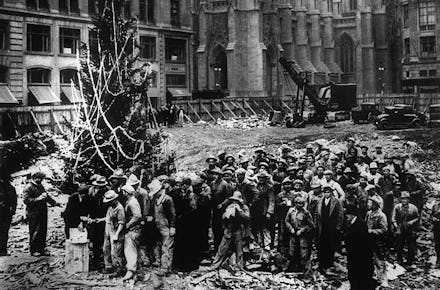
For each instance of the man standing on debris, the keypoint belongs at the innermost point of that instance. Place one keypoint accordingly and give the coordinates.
(113, 238)
(36, 199)
(329, 219)
(299, 222)
(262, 208)
(235, 218)
(133, 215)
(165, 219)
(359, 252)
(405, 217)
(8, 205)
(377, 228)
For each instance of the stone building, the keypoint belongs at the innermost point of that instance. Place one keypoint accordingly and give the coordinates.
(239, 42)
(421, 46)
(39, 40)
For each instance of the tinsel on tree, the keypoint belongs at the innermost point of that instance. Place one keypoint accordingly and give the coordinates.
(113, 131)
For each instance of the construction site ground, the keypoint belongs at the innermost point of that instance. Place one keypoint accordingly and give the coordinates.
(192, 143)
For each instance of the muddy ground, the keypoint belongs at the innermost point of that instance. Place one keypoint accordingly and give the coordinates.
(192, 144)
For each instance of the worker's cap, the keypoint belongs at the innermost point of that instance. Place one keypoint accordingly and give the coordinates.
(302, 161)
(309, 146)
(370, 187)
(378, 146)
(287, 180)
(328, 172)
(325, 152)
(282, 161)
(100, 181)
(327, 188)
(162, 177)
(298, 181)
(132, 180)
(263, 174)
(244, 160)
(380, 161)
(388, 168)
(373, 165)
(263, 164)
(240, 171)
(260, 150)
(129, 189)
(348, 170)
(315, 185)
(237, 196)
(211, 158)
(216, 170)
(351, 139)
(375, 199)
(94, 177)
(221, 153)
(404, 194)
(300, 200)
(285, 148)
(320, 166)
(364, 146)
(154, 187)
(230, 156)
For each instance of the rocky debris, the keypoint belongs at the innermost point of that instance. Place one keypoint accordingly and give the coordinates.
(243, 123)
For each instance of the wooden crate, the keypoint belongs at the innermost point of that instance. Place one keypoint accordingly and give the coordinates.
(76, 257)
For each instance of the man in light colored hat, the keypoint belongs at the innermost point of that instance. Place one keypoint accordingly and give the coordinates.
(299, 222)
(336, 187)
(377, 229)
(235, 217)
(374, 175)
(165, 219)
(114, 237)
(405, 220)
(230, 162)
(133, 215)
(298, 186)
(346, 178)
(262, 210)
(212, 163)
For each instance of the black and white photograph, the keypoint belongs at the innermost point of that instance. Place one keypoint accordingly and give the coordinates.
(219, 144)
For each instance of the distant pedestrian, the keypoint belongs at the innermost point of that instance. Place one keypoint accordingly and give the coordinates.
(8, 205)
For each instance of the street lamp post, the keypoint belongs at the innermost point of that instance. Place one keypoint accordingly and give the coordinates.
(381, 69)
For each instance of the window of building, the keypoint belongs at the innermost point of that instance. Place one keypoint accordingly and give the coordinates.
(38, 38)
(38, 76)
(4, 34)
(330, 5)
(2, 3)
(3, 74)
(69, 6)
(69, 40)
(346, 54)
(68, 75)
(175, 12)
(146, 11)
(427, 47)
(153, 81)
(407, 45)
(150, 11)
(176, 80)
(37, 4)
(423, 73)
(175, 50)
(432, 73)
(427, 17)
(93, 41)
(93, 7)
(407, 74)
(406, 15)
(352, 4)
(147, 47)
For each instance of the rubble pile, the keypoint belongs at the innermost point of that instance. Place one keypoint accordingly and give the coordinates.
(243, 123)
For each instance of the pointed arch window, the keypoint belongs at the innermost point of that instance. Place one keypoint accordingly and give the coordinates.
(346, 54)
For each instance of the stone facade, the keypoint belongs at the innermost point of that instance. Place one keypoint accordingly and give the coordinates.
(239, 43)
(165, 24)
(421, 46)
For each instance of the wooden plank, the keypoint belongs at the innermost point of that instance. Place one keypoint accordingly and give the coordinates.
(34, 118)
(229, 109)
(219, 110)
(188, 118)
(56, 122)
(285, 105)
(250, 108)
(76, 257)
(207, 111)
(260, 107)
(239, 107)
(194, 111)
(267, 104)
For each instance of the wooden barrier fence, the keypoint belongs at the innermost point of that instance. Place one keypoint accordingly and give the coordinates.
(55, 118)
(41, 118)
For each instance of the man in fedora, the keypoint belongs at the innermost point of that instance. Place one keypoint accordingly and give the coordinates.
(165, 220)
(36, 199)
(235, 218)
(98, 211)
(113, 238)
(77, 209)
(133, 216)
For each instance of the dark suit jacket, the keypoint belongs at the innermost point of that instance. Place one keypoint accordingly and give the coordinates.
(336, 214)
(75, 209)
(359, 254)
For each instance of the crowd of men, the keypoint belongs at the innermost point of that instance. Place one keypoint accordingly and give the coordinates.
(293, 201)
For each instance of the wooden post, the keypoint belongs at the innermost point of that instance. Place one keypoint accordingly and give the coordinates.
(219, 110)
(34, 118)
(267, 104)
(207, 111)
(194, 111)
(229, 109)
(56, 122)
(285, 105)
(77, 252)
(237, 105)
(250, 108)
